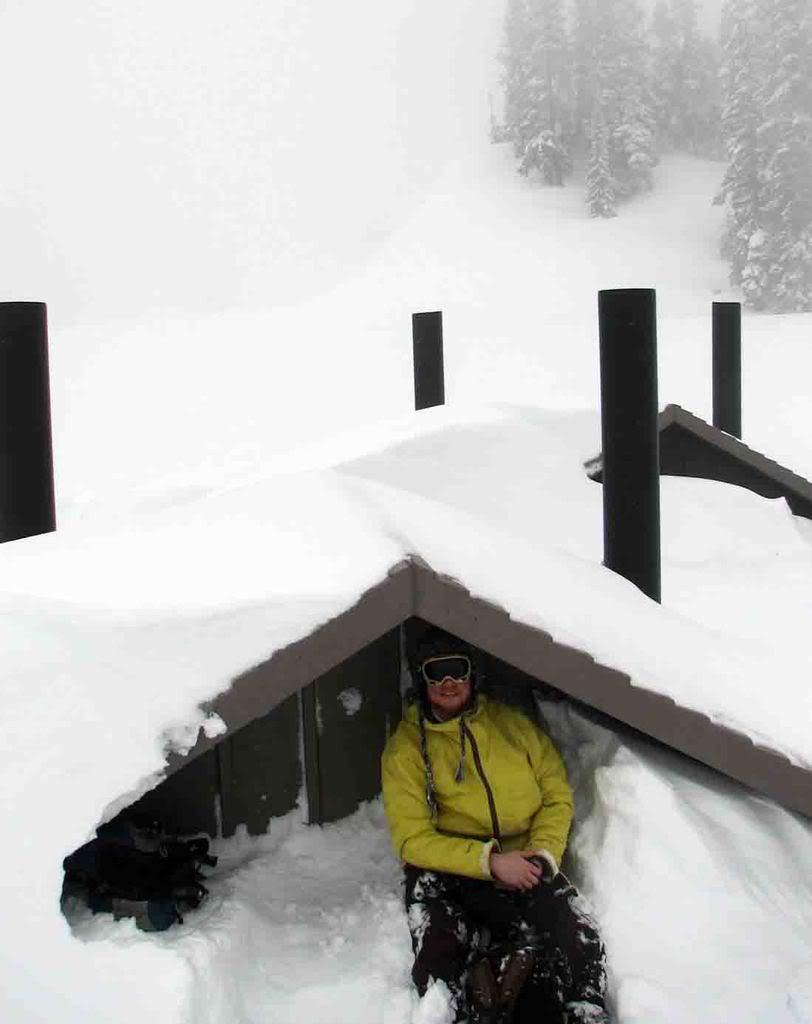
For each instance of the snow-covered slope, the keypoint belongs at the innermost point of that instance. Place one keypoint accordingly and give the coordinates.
(178, 404)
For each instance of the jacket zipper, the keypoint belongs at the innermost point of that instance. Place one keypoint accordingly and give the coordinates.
(488, 791)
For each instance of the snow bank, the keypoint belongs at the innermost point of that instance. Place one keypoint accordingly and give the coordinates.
(701, 886)
(698, 884)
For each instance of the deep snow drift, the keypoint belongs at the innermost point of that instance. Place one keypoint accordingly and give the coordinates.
(702, 890)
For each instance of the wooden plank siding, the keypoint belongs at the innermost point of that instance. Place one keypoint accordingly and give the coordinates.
(355, 706)
(255, 773)
(186, 802)
(260, 770)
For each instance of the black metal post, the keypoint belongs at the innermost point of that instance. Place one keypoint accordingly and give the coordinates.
(727, 367)
(427, 349)
(27, 504)
(631, 457)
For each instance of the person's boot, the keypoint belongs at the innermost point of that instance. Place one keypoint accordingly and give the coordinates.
(515, 972)
(485, 999)
(484, 988)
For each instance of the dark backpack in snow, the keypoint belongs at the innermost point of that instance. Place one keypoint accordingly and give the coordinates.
(135, 869)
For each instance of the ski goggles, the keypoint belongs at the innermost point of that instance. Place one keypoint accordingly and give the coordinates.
(445, 666)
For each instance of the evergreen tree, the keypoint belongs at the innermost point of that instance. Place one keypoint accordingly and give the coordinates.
(785, 143)
(600, 186)
(632, 125)
(588, 18)
(705, 100)
(767, 124)
(515, 59)
(664, 73)
(616, 128)
(538, 102)
(550, 122)
(741, 71)
(684, 80)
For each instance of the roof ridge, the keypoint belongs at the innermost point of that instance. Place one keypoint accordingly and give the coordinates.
(676, 414)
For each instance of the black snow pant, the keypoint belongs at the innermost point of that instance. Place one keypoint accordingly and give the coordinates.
(450, 915)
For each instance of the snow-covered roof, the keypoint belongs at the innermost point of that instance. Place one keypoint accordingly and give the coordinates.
(414, 588)
(765, 476)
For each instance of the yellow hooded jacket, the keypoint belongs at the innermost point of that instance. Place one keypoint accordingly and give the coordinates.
(513, 795)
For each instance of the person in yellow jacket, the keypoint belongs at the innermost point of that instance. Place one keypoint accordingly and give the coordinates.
(479, 810)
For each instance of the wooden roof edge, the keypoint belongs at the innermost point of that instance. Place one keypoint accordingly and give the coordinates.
(734, 446)
(447, 603)
(257, 691)
(700, 737)
(674, 414)
(413, 587)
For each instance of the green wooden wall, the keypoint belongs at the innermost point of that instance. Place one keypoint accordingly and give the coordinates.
(336, 726)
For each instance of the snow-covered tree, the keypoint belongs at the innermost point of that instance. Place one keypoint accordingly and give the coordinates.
(600, 185)
(613, 94)
(785, 144)
(632, 126)
(663, 65)
(767, 124)
(515, 60)
(538, 100)
(741, 71)
(684, 80)
(588, 56)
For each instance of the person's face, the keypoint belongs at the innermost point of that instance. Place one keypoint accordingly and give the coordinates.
(448, 684)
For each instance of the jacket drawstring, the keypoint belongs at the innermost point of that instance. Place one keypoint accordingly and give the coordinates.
(431, 793)
(459, 774)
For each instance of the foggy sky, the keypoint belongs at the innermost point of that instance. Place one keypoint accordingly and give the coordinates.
(191, 155)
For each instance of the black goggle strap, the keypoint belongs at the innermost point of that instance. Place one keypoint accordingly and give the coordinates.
(435, 670)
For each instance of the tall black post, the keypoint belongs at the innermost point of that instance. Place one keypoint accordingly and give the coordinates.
(727, 367)
(27, 504)
(631, 458)
(427, 348)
